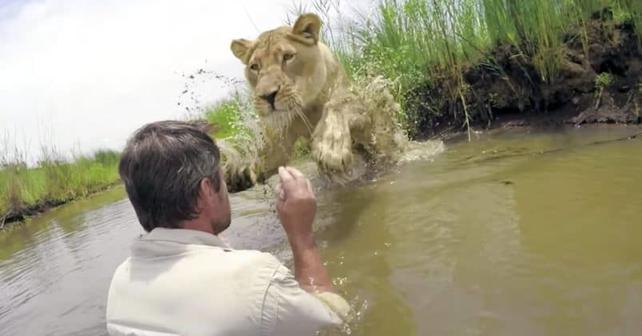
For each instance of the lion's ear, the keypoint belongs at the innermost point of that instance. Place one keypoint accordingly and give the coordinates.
(306, 29)
(241, 49)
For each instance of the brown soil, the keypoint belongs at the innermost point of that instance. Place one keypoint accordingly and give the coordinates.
(507, 90)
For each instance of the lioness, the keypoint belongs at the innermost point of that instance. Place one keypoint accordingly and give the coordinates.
(301, 90)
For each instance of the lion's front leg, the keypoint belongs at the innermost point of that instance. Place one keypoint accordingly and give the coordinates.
(277, 150)
(332, 142)
(239, 169)
(244, 170)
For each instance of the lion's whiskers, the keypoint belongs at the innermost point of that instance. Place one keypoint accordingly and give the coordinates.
(296, 106)
(279, 121)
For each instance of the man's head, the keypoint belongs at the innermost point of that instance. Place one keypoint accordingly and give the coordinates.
(172, 176)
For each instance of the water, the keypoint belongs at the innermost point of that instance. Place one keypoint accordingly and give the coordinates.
(513, 234)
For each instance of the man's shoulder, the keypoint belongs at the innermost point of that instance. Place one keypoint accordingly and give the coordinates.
(255, 256)
(258, 263)
(206, 259)
(254, 269)
(249, 264)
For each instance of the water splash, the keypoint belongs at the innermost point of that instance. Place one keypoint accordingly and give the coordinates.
(422, 151)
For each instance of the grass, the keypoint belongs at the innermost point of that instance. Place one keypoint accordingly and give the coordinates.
(53, 180)
(602, 81)
(423, 39)
(233, 119)
(225, 117)
(421, 42)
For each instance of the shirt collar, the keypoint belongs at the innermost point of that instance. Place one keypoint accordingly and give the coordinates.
(184, 236)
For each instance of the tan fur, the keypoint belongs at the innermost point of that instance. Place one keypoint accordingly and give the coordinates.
(312, 98)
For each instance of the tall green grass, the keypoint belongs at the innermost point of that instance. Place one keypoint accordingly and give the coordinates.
(423, 39)
(419, 42)
(53, 180)
(225, 118)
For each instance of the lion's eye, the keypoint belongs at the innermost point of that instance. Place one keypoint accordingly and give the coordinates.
(288, 57)
(255, 67)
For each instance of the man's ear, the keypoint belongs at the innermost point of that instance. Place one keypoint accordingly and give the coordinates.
(241, 49)
(203, 195)
(306, 29)
(205, 187)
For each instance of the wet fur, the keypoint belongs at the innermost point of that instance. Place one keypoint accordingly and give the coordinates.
(315, 100)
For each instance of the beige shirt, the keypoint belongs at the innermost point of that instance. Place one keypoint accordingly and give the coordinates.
(186, 282)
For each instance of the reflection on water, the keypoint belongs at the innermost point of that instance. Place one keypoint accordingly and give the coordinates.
(55, 271)
(508, 235)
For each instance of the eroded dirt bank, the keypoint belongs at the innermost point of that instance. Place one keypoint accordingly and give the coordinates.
(599, 80)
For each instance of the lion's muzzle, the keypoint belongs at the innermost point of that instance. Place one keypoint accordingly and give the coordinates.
(270, 98)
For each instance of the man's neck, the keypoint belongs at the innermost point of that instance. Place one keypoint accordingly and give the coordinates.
(198, 225)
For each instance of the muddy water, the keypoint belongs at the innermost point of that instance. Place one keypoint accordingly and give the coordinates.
(513, 234)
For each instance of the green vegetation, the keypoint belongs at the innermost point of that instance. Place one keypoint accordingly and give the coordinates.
(225, 117)
(53, 181)
(424, 39)
(233, 119)
(602, 81)
(425, 43)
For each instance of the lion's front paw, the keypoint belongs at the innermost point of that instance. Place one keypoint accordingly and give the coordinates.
(240, 177)
(333, 154)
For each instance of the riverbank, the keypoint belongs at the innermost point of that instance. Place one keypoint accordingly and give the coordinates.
(601, 84)
(26, 191)
(477, 64)
(485, 64)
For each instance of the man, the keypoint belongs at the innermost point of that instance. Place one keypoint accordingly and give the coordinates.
(181, 279)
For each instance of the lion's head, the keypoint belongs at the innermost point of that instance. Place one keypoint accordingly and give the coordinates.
(285, 68)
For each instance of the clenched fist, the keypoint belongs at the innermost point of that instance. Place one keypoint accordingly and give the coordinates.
(296, 204)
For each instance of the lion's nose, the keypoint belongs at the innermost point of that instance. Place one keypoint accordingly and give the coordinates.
(271, 98)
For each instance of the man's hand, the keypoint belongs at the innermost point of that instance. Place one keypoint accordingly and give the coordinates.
(296, 204)
(296, 207)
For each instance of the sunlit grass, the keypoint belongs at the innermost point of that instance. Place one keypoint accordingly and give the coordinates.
(225, 118)
(421, 39)
(420, 42)
(53, 180)
(234, 120)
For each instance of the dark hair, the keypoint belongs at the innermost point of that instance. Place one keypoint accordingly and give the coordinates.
(162, 167)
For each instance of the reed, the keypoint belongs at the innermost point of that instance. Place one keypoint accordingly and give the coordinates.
(53, 180)
(419, 42)
(414, 39)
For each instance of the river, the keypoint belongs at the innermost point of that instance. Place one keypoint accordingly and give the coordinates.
(516, 233)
